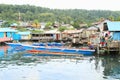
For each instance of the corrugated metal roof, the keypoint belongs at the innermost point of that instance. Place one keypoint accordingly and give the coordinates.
(113, 26)
(92, 28)
(7, 30)
(72, 31)
(52, 31)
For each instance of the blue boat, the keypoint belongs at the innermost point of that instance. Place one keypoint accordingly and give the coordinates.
(86, 51)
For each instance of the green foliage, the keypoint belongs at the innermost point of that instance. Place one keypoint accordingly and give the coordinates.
(36, 24)
(6, 24)
(48, 24)
(111, 18)
(21, 29)
(62, 28)
(37, 31)
(31, 13)
(76, 25)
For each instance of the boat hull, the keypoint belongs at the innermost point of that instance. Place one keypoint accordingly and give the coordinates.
(57, 49)
(85, 52)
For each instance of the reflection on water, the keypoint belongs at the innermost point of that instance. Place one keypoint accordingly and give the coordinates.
(19, 65)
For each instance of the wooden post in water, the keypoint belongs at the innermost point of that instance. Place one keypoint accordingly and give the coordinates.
(108, 46)
(98, 50)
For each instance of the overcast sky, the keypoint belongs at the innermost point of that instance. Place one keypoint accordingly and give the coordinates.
(70, 4)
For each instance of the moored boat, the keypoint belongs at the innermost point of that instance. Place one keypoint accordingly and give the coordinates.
(86, 51)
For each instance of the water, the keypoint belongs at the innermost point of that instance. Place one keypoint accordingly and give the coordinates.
(23, 66)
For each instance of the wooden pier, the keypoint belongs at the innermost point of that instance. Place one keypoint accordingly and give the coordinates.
(111, 48)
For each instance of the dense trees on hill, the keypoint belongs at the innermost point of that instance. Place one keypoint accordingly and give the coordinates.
(31, 13)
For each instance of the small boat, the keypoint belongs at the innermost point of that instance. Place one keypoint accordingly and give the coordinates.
(59, 50)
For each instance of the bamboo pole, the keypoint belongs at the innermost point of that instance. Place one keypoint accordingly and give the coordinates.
(98, 50)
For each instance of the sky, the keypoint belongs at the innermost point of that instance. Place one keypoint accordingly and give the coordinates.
(113, 5)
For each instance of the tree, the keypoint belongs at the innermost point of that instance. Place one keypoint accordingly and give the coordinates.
(29, 13)
(36, 24)
(48, 25)
(62, 28)
(76, 25)
(118, 19)
(111, 18)
(7, 24)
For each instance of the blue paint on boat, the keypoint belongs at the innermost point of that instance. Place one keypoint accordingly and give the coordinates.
(14, 44)
(27, 47)
(41, 48)
(69, 50)
(85, 52)
(54, 49)
(59, 49)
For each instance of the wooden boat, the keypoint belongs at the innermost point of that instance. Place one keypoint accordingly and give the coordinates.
(67, 50)
(59, 49)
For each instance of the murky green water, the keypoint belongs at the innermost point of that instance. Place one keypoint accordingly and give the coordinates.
(23, 66)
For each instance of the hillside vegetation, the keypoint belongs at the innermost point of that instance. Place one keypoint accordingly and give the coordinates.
(31, 13)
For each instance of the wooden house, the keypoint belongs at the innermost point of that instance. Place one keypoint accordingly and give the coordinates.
(73, 35)
(56, 34)
(7, 34)
(25, 35)
(102, 24)
(46, 36)
(112, 29)
(92, 35)
(91, 30)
